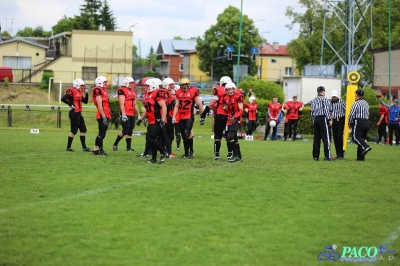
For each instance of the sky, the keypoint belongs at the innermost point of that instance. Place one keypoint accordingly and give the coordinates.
(153, 20)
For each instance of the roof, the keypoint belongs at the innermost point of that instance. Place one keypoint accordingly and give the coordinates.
(175, 47)
(20, 39)
(384, 49)
(268, 49)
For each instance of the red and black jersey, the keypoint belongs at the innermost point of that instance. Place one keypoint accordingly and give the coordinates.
(231, 103)
(130, 100)
(383, 110)
(252, 111)
(153, 109)
(219, 92)
(186, 102)
(293, 110)
(274, 110)
(102, 92)
(74, 97)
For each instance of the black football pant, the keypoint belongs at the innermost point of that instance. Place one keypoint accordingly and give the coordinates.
(359, 134)
(337, 131)
(394, 128)
(292, 125)
(321, 132)
(382, 132)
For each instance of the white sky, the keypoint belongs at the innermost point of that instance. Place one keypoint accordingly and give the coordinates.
(156, 19)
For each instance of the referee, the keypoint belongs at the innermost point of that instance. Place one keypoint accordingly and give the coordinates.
(338, 116)
(321, 109)
(358, 120)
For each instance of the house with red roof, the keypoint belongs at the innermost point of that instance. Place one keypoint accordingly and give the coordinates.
(274, 62)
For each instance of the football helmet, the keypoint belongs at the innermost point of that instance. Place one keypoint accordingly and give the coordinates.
(126, 82)
(230, 88)
(184, 83)
(159, 82)
(77, 83)
(252, 99)
(101, 81)
(168, 83)
(225, 80)
(151, 84)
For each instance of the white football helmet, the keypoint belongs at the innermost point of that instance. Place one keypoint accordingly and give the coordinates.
(159, 82)
(230, 88)
(77, 83)
(152, 84)
(225, 80)
(128, 80)
(100, 80)
(252, 99)
(167, 82)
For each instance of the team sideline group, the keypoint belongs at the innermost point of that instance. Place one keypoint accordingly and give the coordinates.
(169, 114)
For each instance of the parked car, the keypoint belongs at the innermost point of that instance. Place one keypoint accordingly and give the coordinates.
(205, 99)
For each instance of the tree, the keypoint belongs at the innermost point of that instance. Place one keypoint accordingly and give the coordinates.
(33, 32)
(90, 16)
(5, 34)
(65, 24)
(178, 38)
(107, 18)
(226, 33)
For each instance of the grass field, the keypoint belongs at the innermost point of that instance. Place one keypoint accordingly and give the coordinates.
(278, 207)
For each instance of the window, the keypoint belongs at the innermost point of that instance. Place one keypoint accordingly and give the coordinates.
(288, 71)
(181, 67)
(89, 73)
(17, 62)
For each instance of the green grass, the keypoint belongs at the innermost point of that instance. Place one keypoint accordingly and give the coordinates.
(278, 207)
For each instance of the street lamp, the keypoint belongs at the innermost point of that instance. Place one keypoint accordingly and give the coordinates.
(131, 26)
(273, 60)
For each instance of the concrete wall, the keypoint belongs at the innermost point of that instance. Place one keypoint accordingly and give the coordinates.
(306, 88)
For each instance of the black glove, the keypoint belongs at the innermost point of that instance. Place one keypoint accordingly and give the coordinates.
(72, 107)
(105, 121)
(139, 122)
(202, 121)
(162, 124)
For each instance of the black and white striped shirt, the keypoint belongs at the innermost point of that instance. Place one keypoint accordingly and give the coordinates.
(359, 110)
(338, 108)
(321, 106)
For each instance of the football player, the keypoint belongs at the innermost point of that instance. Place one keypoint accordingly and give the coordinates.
(274, 111)
(187, 96)
(293, 110)
(103, 115)
(219, 112)
(128, 106)
(251, 117)
(73, 98)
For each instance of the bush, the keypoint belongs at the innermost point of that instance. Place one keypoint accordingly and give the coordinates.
(114, 107)
(44, 84)
(6, 82)
(263, 89)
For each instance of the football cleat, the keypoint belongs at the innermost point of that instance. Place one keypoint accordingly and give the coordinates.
(177, 148)
(69, 150)
(216, 158)
(185, 156)
(233, 159)
(115, 148)
(191, 155)
(130, 150)
(364, 152)
(142, 155)
(96, 152)
(103, 153)
(86, 150)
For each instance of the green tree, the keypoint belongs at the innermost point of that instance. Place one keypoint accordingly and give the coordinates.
(178, 38)
(90, 15)
(108, 20)
(65, 24)
(226, 33)
(5, 34)
(33, 32)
